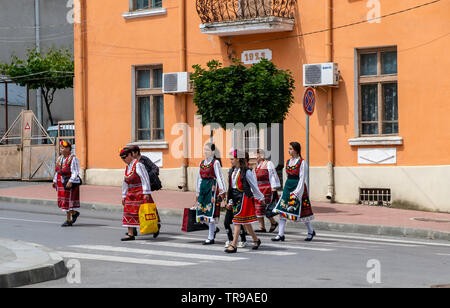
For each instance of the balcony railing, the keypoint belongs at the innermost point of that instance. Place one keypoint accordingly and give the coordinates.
(212, 11)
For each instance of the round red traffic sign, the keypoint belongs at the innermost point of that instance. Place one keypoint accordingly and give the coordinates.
(309, 101)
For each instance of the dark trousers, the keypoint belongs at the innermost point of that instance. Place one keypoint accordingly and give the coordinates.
(228, 226)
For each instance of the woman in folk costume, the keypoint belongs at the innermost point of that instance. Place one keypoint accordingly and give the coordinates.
(135, 191)
(294, 203)
(243, 189)
(268, 182)
(67, 183)
(210, 189)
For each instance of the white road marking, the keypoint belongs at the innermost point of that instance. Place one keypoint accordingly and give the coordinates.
(443, 254)
(384, 240)
(215, 248)
(249, 243)
(29, 220)
(207, 257)
(75, 255)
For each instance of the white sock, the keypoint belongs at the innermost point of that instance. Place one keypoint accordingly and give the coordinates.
(281, 225)
(308, 225)
(212, 229)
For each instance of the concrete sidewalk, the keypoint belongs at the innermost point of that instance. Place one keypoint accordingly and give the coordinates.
(329, 217)
(24, 263)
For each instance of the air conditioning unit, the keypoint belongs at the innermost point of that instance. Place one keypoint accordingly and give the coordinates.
(179, 82)
(320, 74)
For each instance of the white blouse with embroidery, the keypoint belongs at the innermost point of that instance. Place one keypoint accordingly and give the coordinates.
(74, 169)
(273, 176)
(142, 172)
(219, 176)
(252, 181)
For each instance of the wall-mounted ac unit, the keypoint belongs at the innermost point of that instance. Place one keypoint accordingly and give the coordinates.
(179, 82)
(320, 74)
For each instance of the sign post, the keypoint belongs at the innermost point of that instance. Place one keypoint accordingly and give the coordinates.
(309, 102)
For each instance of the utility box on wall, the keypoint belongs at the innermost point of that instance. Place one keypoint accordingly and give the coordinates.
(320, 74)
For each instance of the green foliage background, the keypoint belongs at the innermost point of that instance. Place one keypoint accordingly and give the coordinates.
(237, 94)
(50, 72)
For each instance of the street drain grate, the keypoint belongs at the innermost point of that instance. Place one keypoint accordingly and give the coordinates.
(431, 220)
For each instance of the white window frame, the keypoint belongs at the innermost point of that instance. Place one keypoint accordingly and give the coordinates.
(134, 13)
(379, 139)
(145, 144)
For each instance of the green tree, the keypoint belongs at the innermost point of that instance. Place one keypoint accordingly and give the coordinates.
(49, 72)
(237, 94)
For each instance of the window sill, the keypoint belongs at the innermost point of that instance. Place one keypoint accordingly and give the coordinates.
(388, 140)
(149, 145)
(145, 13)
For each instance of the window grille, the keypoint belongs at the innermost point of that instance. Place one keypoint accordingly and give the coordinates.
(375, 196)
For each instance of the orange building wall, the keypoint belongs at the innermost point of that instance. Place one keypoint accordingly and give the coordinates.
(115, 44)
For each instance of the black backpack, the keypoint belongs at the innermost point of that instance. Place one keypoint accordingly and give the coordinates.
(153, 172)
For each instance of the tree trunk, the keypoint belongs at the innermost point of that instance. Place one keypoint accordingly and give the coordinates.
(48, 99)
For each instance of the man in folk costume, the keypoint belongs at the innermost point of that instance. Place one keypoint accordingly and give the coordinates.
(243, 189)
(135, 191)
(294, 203)
(268, 182)
(210, 189)
(66, 181)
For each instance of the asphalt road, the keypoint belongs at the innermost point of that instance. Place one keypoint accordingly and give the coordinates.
(97, 258)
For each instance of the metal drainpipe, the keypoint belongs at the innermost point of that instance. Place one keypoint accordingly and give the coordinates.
(81, 130)
(183, 98)
(330, 116)
(38, 47)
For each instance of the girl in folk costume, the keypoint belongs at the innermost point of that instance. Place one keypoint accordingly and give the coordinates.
(268, 182)
(229, 220)
(135, 191)
(243, 189)
(294, 203)
(210, 189)
(67, 183)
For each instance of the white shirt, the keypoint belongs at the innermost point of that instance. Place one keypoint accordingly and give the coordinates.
(74, 169)
(302, 176)
(273, 176)
(218, 173)
(142, 172)
(252, 181)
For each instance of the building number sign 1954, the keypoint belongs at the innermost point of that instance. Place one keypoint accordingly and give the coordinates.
(255, 56)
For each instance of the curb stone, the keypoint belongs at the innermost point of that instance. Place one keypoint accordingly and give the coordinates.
(32, 264)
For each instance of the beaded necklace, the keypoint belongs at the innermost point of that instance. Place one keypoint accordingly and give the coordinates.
(296, 166)
(133, 170)
(204, 166)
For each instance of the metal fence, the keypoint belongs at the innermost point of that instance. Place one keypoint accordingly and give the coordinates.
(233, 10)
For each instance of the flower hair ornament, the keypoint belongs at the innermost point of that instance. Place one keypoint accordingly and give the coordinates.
(64, 143)
(233, 152)
(123, 151)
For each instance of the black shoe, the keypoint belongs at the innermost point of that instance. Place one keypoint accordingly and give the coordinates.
(263, 230)
(208, 242)
(234, 250)
(256, 244)
(128, 238)
(310, 236)
(134, 232)
(278, 238)
(75, 216)
(155, 235)
(67, 224)
(215, 232)
(273, 227)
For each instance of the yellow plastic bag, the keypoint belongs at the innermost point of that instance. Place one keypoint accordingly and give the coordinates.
(148, 218)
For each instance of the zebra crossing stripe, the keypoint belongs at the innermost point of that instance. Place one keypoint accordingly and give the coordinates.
(207, 257)
(215, 248)
(265, 244)
(96, 257)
